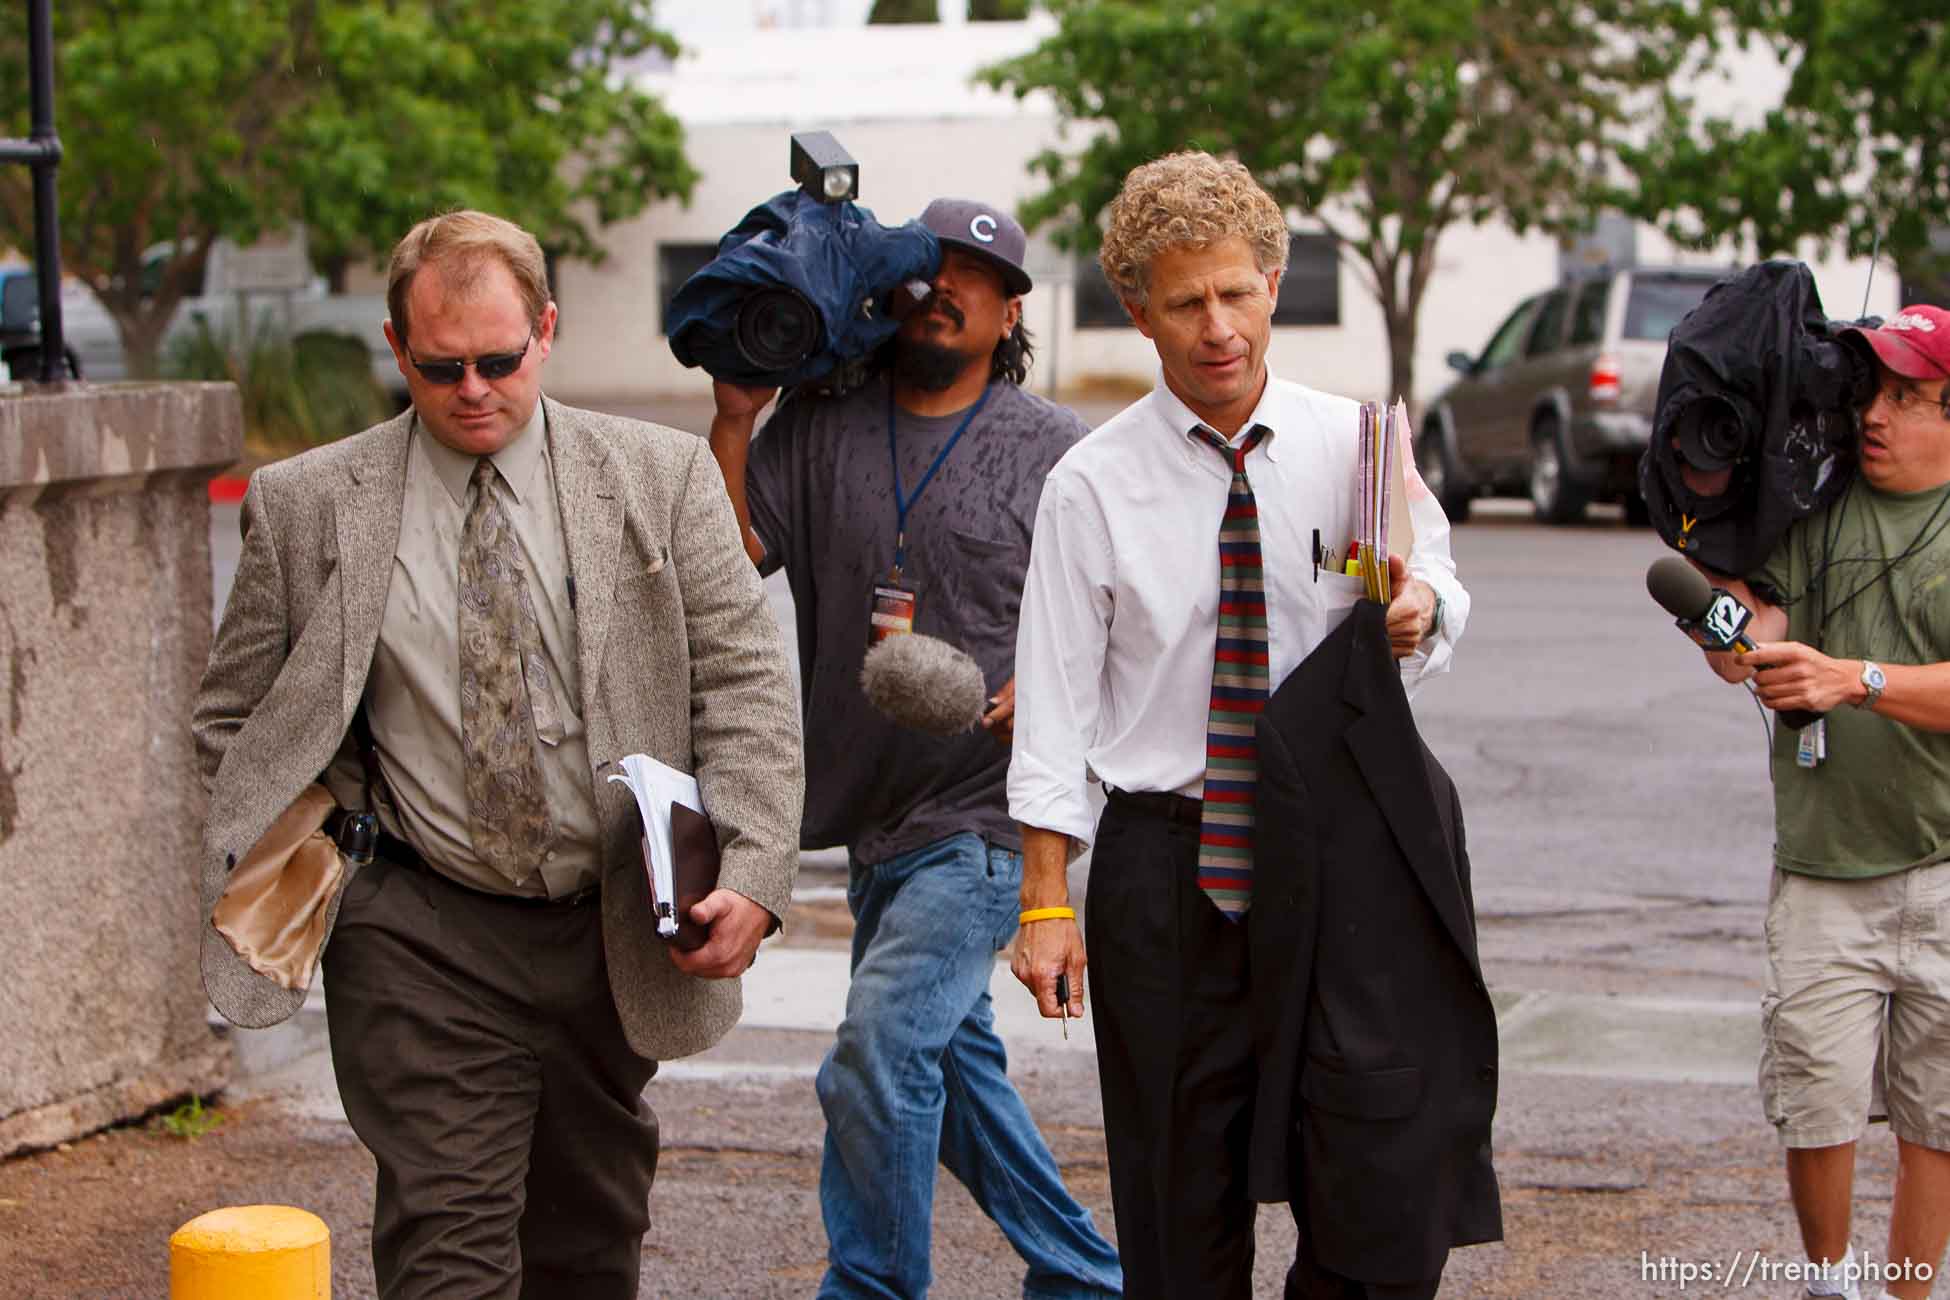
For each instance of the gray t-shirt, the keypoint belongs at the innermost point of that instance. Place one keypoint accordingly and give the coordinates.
(821, 487)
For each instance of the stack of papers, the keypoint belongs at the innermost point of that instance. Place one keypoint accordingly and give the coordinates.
(657, 786)
(1379, 527)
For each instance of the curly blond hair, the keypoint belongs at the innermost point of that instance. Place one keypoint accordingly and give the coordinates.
(1187, 199)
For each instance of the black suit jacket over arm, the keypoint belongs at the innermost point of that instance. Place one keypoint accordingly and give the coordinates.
(1374, 1031)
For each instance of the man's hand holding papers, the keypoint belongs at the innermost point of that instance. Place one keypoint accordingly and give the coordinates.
(712, 933)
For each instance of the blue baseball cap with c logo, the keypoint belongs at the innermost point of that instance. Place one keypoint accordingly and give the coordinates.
(986, 230)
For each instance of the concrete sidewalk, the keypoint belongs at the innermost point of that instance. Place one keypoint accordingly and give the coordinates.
(800, 993)
(1628, 1140)
(1628, 1132)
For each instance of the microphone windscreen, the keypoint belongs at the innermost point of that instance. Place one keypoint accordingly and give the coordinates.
(1678, 587)
(924, 683)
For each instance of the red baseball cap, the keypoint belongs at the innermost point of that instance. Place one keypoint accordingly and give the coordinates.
(1915, 342)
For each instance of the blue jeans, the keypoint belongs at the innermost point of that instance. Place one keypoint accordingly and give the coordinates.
(918, 1076)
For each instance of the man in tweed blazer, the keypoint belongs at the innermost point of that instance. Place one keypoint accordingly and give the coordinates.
(495, 1015)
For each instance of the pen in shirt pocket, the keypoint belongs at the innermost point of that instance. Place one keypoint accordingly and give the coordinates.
(1326, 558)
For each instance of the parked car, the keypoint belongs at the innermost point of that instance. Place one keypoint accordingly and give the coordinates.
(94, 343)
(20, 326)
(1558, 406)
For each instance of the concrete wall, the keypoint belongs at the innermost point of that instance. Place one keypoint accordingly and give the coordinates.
(104, 631)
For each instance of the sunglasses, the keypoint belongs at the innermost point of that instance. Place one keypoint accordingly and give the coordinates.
(497, 365)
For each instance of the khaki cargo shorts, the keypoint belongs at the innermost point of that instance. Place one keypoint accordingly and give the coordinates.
(1857, 1009)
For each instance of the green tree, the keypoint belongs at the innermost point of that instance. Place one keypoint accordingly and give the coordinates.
(186, 121)
(1386, 124)
(1857, 149)
(904, 11)
(928, 11)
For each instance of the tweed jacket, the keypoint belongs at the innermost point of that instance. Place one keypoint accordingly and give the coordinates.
(679, 657)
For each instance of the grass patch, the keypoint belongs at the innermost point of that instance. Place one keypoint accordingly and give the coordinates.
(190, 1120)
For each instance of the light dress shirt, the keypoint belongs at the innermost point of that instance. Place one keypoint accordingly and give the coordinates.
(1120, 611)
(413, 693)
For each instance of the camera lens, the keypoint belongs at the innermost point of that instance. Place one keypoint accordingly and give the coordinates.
(777, 328)
(1710, 436)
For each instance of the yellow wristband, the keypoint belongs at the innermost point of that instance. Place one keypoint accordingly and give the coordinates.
(1047, 914)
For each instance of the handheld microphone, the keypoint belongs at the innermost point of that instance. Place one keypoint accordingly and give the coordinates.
(1712, 616)
(924, 683)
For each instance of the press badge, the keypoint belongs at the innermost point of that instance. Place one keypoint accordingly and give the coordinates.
(1812, 747)
(893, 614)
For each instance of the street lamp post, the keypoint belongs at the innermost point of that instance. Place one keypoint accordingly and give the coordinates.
(42, 151)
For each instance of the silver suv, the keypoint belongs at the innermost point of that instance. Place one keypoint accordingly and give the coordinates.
(1559, 404)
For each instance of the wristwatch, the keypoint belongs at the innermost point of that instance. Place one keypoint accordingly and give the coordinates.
(1873, 681)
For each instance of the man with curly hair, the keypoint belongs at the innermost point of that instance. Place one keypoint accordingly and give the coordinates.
(1153, 534)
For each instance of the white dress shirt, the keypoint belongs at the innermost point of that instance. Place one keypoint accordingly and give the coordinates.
(1120, 608)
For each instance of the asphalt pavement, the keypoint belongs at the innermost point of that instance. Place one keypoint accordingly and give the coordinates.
(1618, 818)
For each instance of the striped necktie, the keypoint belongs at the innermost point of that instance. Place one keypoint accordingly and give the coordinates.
(1239, 674)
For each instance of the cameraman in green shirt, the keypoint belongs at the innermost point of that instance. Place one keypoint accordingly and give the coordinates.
(1852, 617)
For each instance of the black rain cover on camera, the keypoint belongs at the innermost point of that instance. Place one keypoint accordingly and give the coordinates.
(834, 255)
(1760, 359)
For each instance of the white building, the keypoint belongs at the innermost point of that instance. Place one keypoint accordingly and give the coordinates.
(901, 99)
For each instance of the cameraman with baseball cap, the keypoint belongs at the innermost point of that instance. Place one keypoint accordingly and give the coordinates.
(1853, 621)
(906, 506)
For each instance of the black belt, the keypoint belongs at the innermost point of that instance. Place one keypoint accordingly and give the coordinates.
(398, 852)
(1156, 803)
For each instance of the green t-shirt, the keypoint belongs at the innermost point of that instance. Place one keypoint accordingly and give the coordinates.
(1880, 802)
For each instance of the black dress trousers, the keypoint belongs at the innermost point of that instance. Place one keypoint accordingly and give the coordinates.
(1169, 986)
(480, 1058)
(1307, 1280)
(1168, 980)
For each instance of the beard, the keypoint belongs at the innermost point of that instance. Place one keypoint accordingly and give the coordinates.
(930, 367)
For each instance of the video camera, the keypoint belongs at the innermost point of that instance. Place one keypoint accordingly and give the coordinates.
(1757, 417)
(807, 286)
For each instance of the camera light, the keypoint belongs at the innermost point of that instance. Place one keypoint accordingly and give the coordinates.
(823, 169)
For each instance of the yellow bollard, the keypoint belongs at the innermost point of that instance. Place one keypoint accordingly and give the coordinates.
(251, 1252)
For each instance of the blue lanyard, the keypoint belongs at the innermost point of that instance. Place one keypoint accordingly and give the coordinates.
(904, 504)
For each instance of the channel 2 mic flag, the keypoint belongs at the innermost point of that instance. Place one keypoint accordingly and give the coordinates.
(1712, 616)
(1721, 626)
